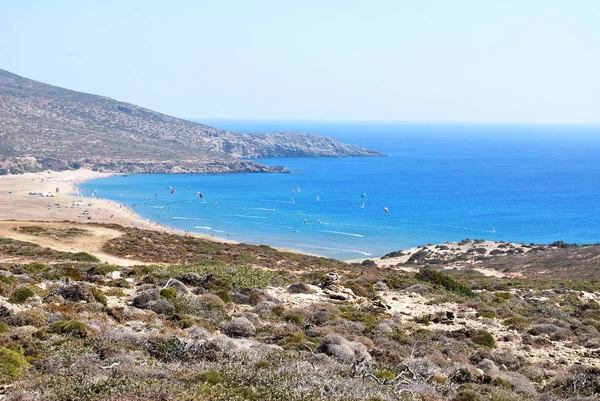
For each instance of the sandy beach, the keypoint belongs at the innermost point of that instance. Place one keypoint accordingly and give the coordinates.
(20, 200)
(64, 204)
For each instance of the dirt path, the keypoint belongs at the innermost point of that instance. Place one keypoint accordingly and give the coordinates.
(90, 242)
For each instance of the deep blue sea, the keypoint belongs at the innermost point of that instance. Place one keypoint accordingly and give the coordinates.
(439, 182)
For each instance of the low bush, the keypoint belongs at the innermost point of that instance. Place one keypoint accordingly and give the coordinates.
(484, 338)
(238, 276)
(71, 327)
(516, 323)
(99, 296)
(168, 293)
(29, 317)
(21, 294)
(445, 281)
(82, 257)
(12, 364)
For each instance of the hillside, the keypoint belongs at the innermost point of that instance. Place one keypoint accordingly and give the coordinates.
(184, 318)
(47, 127)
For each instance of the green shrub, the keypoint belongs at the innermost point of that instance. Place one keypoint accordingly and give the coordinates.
(72, 273)
(35, 267)
(516, 323)
(445, 281)
(398, 335)
(367, 319)
(31, 229)
(163, 347)
(119, 283)
(360, 289)
(29, 317)
(209, 307)
(4, 328)
(294, 318)
(102, 269)
(211, 377)
(168, 293)
(278, 310)
(224, 295)
(487, 313)
(7, 279)
(291, 342)
(98, 295)
(7, 284)
(239, 277)
(115, 292)
(484, 338)
(186, 323)
(20, 295)
(12, 364)
(385, 374)
(73, 328)
(82, 257)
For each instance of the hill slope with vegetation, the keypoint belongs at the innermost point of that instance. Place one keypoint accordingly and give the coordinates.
(46, 127)
(234, 321)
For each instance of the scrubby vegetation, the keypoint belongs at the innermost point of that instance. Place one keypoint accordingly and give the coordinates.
(232, 322)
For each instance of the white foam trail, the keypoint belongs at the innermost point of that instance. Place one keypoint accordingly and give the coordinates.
(203, 227)
(249, 217)
(278, 201)
(156, 207)
(260, 208)
(187, 218)
(412, 222)
(343, 233)
(339, 250)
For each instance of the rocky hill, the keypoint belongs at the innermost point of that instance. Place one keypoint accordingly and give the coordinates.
(47, 127)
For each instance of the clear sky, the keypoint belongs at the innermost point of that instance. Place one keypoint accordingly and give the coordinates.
(397, 60)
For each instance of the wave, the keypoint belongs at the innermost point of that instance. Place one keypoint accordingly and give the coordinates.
(249, 217)
(278, 201)
(203, 227)
(188, 218)
(260, 208)
(339, 250)
(343, 233)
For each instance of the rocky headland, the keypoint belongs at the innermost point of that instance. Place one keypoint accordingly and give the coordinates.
(44, 127)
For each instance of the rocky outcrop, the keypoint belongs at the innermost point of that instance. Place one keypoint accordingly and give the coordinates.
(45, 127)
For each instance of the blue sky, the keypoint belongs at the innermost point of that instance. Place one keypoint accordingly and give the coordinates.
(482, 61)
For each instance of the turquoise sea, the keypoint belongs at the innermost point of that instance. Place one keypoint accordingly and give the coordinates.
(439, 182)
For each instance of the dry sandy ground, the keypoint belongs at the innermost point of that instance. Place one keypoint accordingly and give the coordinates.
(454, 248)
(17, 204)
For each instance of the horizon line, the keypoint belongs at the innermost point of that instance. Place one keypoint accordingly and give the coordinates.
(473, 122)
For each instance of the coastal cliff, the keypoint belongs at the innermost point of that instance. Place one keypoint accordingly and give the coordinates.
(46, 127)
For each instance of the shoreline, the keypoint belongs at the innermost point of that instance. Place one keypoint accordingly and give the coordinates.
(17, 204)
